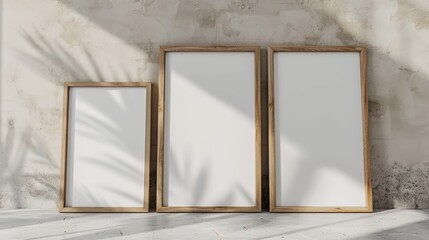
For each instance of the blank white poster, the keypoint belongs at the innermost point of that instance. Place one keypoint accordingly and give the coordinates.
(209, 136)
(318, 129)
(106, 147)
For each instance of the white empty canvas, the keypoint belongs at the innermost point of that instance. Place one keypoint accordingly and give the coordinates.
(319, 135)
(106, 147)
(209, 130)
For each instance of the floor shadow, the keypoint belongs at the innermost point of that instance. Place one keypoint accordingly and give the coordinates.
(410, 231)
(140, 224)
(415, 231)
(30, 217)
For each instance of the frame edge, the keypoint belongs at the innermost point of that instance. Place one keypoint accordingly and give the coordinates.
(161, 106)
(365, 125)
(62, 208)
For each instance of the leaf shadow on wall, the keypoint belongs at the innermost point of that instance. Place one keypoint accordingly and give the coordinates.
(384, 178)
(20, 146)
(15, 155)
(63, 67)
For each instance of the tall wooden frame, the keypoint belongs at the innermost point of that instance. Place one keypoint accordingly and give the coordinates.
(364, 102)
(62, 197)
(161, 115)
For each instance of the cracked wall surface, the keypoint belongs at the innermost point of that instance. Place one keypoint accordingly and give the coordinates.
(47, 42)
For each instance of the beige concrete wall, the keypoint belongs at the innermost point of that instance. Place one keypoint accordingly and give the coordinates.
(47, 42)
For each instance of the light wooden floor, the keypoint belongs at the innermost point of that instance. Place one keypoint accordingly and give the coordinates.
(49, 224)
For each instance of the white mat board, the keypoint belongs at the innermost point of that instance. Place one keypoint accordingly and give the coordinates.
(318, 129)
(106, 147)
(209, 136)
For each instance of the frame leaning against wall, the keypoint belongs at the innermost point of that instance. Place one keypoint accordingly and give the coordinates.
(272, 133)
(164, 50)
(65, 136)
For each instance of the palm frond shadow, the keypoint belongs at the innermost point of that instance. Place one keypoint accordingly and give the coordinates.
(16, 155)
(63, 67)
(58, 60)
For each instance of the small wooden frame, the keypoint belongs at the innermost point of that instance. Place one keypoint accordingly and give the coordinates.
(217, 94)
(106, 147)
(292, 120)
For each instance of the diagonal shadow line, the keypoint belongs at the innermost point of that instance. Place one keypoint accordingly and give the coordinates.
(28, 219)
(415, 230)
(153, 223)
(366, 216)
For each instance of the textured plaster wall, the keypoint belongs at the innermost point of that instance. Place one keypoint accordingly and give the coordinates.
(45, 43)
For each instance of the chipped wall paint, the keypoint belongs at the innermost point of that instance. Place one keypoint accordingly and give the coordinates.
(46, 43)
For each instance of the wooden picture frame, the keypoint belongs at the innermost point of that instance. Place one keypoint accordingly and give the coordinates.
(163, 116)
(96, 104)
(366, 198)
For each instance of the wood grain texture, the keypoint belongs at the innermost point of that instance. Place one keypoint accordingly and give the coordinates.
(63, 182)
(161, 116)
(104, 210)
(201, 209)
(258, 128)
(62, 196)
(107, 84)
(271, 128)
(366, 144)
(147, 147)
(315, 209)
(210, 49)
(282, 48)
(160, 150)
